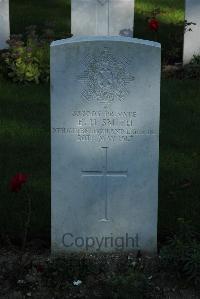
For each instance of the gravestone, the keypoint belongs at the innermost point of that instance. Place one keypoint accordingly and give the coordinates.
(192, 33)
(4, 23)
(102, 17)
(105, 143)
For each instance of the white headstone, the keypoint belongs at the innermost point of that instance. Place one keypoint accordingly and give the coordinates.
(102, 17)
(4, 23)
(105, 98)
(192, 37)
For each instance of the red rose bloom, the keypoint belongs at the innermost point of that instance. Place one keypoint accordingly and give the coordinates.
(39, 268)
(154, 24)
(17, 181)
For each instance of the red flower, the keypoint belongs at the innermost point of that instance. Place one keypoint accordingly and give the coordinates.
(154, 24)
(17, 181)
(39, 268)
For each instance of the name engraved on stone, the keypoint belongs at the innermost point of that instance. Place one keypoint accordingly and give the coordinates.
(105, 173)
(104, 126)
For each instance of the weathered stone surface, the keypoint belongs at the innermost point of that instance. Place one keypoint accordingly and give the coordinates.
(105, 97)
(4, 23)
(192, 34)
(102, 17)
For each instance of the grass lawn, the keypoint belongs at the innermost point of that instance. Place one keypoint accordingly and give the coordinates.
(25, 147)
(25, 123)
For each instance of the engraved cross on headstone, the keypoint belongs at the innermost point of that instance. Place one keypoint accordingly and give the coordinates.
(105, 173)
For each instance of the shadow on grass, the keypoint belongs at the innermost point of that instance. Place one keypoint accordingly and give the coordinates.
(24, 13)
(25, 147)
(179, 154)
(169, 35)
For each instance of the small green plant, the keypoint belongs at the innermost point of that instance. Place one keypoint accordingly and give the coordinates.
(192, 70)
(182, 253)
(27, 60)
(192, 263)
(195, 60)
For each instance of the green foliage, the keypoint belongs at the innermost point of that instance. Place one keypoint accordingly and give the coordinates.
(192, 70)
(28, 60)
(182, 253)
(195, 60)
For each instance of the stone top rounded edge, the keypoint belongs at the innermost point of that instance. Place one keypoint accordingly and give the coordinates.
(78, 39)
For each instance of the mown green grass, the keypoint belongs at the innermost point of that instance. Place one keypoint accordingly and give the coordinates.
(25, 147)
(179, 153)
(171, 26)
(171, 11)
(25, 123)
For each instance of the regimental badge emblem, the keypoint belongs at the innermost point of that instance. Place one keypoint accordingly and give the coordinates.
(105, 77)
